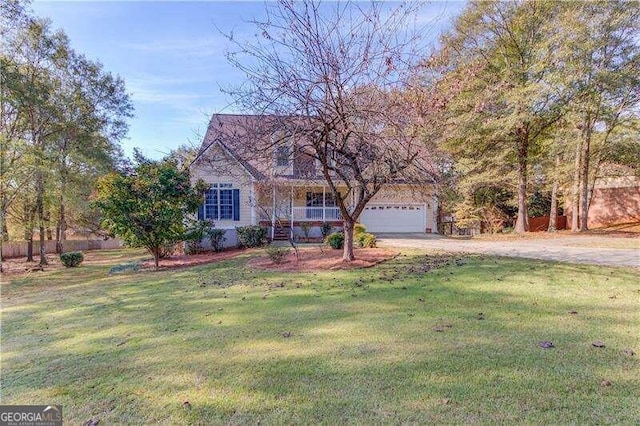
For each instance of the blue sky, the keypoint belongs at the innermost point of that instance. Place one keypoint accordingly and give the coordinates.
(171, 57)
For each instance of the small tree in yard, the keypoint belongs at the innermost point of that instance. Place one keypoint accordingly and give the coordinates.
(149, 206)
(330, 78)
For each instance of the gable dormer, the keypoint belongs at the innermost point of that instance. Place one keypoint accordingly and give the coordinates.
(304, 165)
(283, 155)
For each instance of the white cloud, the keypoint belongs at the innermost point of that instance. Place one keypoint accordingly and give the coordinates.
(149, 88)
(163, 97)
(198, 46)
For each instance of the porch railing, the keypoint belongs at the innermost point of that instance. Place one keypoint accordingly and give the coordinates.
(302, 214)
(324, 214)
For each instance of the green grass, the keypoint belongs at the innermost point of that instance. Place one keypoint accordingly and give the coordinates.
(131, 348)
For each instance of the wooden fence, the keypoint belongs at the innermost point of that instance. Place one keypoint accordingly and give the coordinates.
(539, 224)
(19, 248)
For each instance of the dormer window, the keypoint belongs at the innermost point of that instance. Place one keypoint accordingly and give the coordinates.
(283, 154)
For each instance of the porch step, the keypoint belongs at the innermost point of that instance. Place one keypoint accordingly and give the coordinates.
(282, 233)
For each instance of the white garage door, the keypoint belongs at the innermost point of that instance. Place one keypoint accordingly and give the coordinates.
(394, 217)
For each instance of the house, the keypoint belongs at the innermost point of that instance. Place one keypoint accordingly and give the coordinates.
(614, 199)
(284, 189)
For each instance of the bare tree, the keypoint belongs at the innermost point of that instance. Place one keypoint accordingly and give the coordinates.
(330, 77)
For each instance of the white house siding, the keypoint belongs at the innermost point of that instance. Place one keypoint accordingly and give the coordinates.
(218, 167)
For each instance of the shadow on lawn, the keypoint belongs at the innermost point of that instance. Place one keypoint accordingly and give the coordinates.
(362, 347)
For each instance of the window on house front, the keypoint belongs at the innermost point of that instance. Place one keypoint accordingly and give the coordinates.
(282, 156)
(314, 199)
(221, 202)
(225, 204)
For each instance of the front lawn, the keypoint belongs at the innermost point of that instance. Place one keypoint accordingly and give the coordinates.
(402, 342)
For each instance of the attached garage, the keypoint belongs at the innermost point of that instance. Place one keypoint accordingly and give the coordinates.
(395, 217)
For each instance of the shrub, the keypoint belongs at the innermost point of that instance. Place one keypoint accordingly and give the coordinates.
(325, 228)
(306, 228)
(71, 259)
(335, 240)
(358, 229)
(277, 254)
(192, 247)
(216, 238)
(166, 250)
(365, 240)
(125, 267)
(194, 235)
(251, 236)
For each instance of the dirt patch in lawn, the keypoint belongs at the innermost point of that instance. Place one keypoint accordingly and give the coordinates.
(322, 259)
(19, 266)
(183, 261)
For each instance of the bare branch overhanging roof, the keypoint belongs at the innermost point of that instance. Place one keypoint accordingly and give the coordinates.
(249, 139)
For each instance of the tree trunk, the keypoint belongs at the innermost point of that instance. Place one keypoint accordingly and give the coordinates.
(584, 176)
(575, 195)
(347, 254)
(553, 211)
(28, 232)
(58, 245)
(43, 246)
(156, 257)
(29, 238)
(3, 217)
(40, 212)
(522, 222)
(61, 230)
(4, 232)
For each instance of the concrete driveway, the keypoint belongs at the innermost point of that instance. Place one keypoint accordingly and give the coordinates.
(574, 249)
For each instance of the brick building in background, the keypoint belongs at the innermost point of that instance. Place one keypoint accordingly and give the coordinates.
(615, 199)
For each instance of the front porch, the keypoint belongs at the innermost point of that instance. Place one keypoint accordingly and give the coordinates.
(293, 208)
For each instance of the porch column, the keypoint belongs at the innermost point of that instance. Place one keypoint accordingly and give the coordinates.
(291, 210)
(324, 198)
(273, 214)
